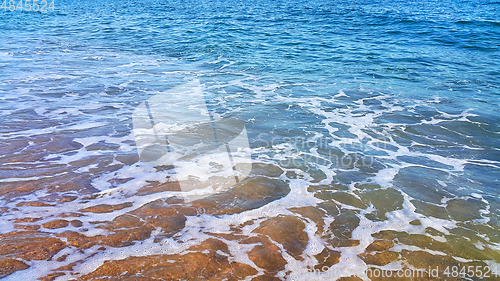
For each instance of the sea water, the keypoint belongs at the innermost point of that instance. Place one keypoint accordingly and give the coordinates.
(386, 110)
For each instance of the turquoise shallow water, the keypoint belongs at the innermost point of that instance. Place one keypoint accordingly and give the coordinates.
(396, 101)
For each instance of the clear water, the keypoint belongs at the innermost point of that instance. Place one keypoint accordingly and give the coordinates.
(350, 99)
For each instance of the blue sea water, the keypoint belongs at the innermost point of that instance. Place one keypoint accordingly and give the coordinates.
(345, 97)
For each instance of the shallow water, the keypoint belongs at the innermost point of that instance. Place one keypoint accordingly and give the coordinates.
(373, 131)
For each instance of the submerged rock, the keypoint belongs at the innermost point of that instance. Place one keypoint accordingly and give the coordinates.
(464, 210)
(349, 199)
(169, 217)
(344, 224)
(208, 261)
(268, 170)
(247, 195)
(56, 224)
(381, 258)
(384, 201)
(288, 231)
(105, 208)
(342, 228)
(136, 225)
(327, 258)
(9, 266)
(265, 254)
(314, 214)
(29, 245)
(380, 245)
